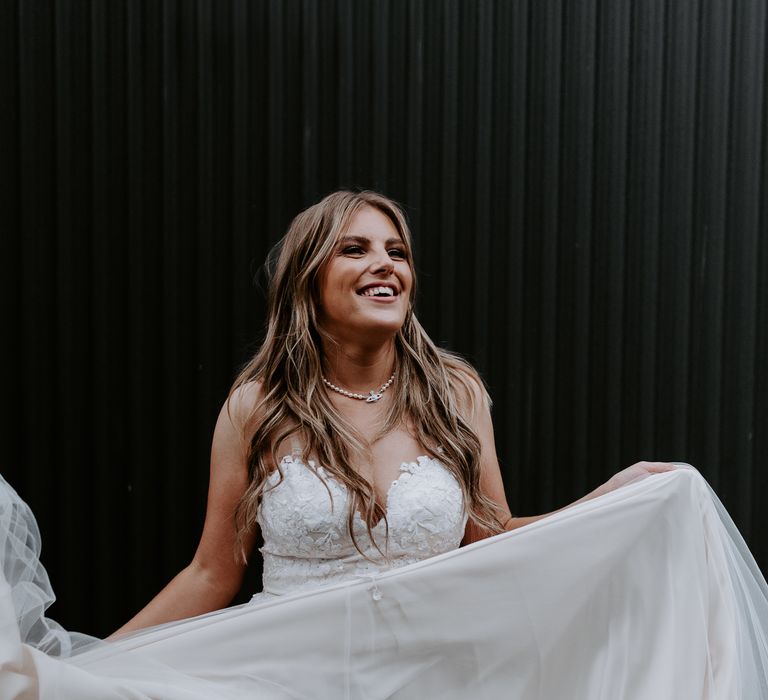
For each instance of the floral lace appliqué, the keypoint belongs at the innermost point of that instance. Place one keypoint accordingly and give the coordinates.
(303, 521)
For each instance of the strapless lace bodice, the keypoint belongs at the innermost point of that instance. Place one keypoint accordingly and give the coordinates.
(307, 544)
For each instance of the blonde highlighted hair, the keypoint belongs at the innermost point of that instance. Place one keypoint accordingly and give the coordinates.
(435, 390)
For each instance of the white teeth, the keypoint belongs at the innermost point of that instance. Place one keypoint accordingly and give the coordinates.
(373, 291)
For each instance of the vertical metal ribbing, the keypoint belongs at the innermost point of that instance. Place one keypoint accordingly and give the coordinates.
(586, 183)
(483, 177)
(745, 147)
(575, 233)
(709, 234)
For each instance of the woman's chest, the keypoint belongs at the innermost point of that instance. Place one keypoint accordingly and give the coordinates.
(304, 512)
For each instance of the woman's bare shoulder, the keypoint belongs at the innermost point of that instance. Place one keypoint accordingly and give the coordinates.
(246, 409)
(243, 403)
(469, 388)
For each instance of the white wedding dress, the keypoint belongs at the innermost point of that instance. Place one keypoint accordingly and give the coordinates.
(646, 593)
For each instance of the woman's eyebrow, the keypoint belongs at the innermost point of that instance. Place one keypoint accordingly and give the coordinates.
(363, 239)
(353, 239)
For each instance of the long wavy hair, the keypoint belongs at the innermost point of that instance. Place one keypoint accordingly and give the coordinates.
(434, 391)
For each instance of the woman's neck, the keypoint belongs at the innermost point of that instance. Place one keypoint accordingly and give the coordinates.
(357, 368)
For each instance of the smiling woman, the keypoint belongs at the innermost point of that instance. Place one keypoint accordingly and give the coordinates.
(342, 318)
(364, 456)
(366, 287)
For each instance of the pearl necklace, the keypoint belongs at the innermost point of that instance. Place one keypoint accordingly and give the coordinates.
(372, 396)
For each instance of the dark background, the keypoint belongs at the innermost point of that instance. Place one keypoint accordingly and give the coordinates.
(586, 182)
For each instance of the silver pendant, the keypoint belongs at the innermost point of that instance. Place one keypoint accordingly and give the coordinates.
(373, 397)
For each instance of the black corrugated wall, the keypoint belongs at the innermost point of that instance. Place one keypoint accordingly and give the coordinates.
(586, 183)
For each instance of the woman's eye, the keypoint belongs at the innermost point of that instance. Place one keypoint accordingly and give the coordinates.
(358, 250)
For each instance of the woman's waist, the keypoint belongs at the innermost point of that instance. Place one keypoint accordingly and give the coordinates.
(283, 575)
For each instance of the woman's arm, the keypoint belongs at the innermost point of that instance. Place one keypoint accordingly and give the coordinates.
(478, 413)
(622, 478)
(493, 487)
(214, 575)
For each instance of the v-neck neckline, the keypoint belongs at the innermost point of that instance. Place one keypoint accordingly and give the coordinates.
(313, 467)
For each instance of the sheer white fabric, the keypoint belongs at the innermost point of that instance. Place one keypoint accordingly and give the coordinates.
(31, 593)
(648, 592)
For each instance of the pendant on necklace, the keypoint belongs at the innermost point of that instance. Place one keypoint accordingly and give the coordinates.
(373, 397)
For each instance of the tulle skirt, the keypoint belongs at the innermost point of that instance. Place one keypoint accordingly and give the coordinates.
(646, 593)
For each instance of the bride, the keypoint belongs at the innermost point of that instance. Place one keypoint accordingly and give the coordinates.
(364, 455)
(346, 395)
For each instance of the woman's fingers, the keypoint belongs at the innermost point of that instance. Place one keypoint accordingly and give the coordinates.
(636, 472)
(659, 467)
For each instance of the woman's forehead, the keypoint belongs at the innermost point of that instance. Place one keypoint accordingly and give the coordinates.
(368, 222)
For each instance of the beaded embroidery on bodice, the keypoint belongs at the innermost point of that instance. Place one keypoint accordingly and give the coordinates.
(303, 521)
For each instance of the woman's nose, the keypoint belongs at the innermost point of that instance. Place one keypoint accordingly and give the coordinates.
(382, 261)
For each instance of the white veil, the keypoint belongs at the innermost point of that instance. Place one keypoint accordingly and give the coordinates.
(648, 592)
(30, 588)
(748, 587)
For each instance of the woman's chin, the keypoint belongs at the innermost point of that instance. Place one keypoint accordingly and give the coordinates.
(377, 330)
(389, 321)
(379, 326)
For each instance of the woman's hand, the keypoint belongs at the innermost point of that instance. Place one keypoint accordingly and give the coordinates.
(636, 472)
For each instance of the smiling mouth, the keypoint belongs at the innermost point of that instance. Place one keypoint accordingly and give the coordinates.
(381, 292)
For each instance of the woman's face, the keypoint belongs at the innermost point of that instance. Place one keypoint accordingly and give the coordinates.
(366, 285)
